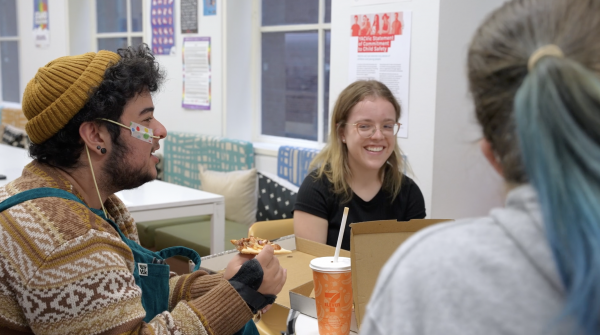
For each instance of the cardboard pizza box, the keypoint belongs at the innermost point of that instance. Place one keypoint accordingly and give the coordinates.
(298, 274)
(372, 244)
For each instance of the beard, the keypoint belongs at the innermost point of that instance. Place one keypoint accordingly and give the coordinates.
(120, 175)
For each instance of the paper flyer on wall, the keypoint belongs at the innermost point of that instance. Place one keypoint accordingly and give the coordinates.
(41, 23)
(380, 50)
(196, 73)
(189, 16)
(210, 7)
(162, 19)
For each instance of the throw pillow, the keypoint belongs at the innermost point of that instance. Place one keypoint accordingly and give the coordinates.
(239, 189)
(15, 136)
(276, 198)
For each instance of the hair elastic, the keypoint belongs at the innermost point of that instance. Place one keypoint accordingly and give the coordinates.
(549, 50)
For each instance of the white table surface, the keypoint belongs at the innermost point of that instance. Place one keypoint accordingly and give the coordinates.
(12, 161)
(156, 200)
(159, 200)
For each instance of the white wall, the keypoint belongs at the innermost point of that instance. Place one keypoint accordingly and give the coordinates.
(441, 144)
(80, 22)
(167, 102)
(265, 162)
(71, 32)
(31, 57)
(464, 183)
(239, 59)
(419, 146)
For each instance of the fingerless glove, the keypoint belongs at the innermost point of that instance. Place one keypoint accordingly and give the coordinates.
(247, 281)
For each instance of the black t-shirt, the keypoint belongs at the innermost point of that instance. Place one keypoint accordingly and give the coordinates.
(316, 197)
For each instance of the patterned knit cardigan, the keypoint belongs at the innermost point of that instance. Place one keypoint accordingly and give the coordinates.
(64, 270)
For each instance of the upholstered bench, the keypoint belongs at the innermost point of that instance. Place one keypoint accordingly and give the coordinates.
(275, 197)
(189, 159)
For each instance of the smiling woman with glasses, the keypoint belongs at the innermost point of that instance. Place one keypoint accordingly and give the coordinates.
(361, 167)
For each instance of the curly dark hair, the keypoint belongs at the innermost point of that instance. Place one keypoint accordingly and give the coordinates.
(136, 72)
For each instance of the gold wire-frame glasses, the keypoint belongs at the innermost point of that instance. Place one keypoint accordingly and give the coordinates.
(367, 129)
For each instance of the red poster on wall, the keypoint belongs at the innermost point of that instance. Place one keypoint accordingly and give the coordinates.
(380, 50)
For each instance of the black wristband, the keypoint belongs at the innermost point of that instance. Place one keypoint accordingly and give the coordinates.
(250, 274)
(255, 300)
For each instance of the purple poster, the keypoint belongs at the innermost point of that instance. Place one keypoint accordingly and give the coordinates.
(163, 23)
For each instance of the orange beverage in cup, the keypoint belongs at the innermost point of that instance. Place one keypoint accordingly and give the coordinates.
(333, 294)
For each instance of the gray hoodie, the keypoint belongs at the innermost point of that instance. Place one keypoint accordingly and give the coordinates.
(490, 275)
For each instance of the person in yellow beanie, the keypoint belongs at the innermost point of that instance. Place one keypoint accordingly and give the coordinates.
(70, 259)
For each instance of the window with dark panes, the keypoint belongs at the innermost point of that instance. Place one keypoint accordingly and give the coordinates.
(119, 23)
(9, 52)
(295, 45)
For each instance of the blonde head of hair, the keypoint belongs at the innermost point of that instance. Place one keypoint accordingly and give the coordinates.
(332, 161)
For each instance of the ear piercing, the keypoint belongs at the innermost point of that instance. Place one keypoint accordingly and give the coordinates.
(102, 150)
(344, 140)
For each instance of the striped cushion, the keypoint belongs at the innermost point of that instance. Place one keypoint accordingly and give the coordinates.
(293, 162)
(185, 152)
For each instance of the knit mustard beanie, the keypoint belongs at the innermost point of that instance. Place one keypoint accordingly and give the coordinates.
(60, 89)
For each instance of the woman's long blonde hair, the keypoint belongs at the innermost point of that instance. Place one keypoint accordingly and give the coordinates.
(332, 161)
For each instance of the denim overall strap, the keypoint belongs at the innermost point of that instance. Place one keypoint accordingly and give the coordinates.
(153, 279)
(181, 251)
(150, 272)
(147, 300)
(36, 193)
(248, 329)
(155, 284)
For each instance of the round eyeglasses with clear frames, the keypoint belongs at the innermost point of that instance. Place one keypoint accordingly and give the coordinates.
(367, 129)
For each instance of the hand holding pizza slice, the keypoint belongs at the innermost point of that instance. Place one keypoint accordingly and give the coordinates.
(253, 245)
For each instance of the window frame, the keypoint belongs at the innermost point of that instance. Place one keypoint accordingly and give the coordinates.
(128, 34)
(16, 38)
(321, 27)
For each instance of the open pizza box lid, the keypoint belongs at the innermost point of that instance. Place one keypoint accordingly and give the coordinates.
(296, 293)
(372, 243)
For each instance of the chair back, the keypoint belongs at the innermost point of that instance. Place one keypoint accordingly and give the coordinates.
(272, 229)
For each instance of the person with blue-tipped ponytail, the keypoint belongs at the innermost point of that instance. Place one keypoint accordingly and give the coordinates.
(532, 267)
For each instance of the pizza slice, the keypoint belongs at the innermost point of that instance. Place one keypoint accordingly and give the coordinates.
(253, 245)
